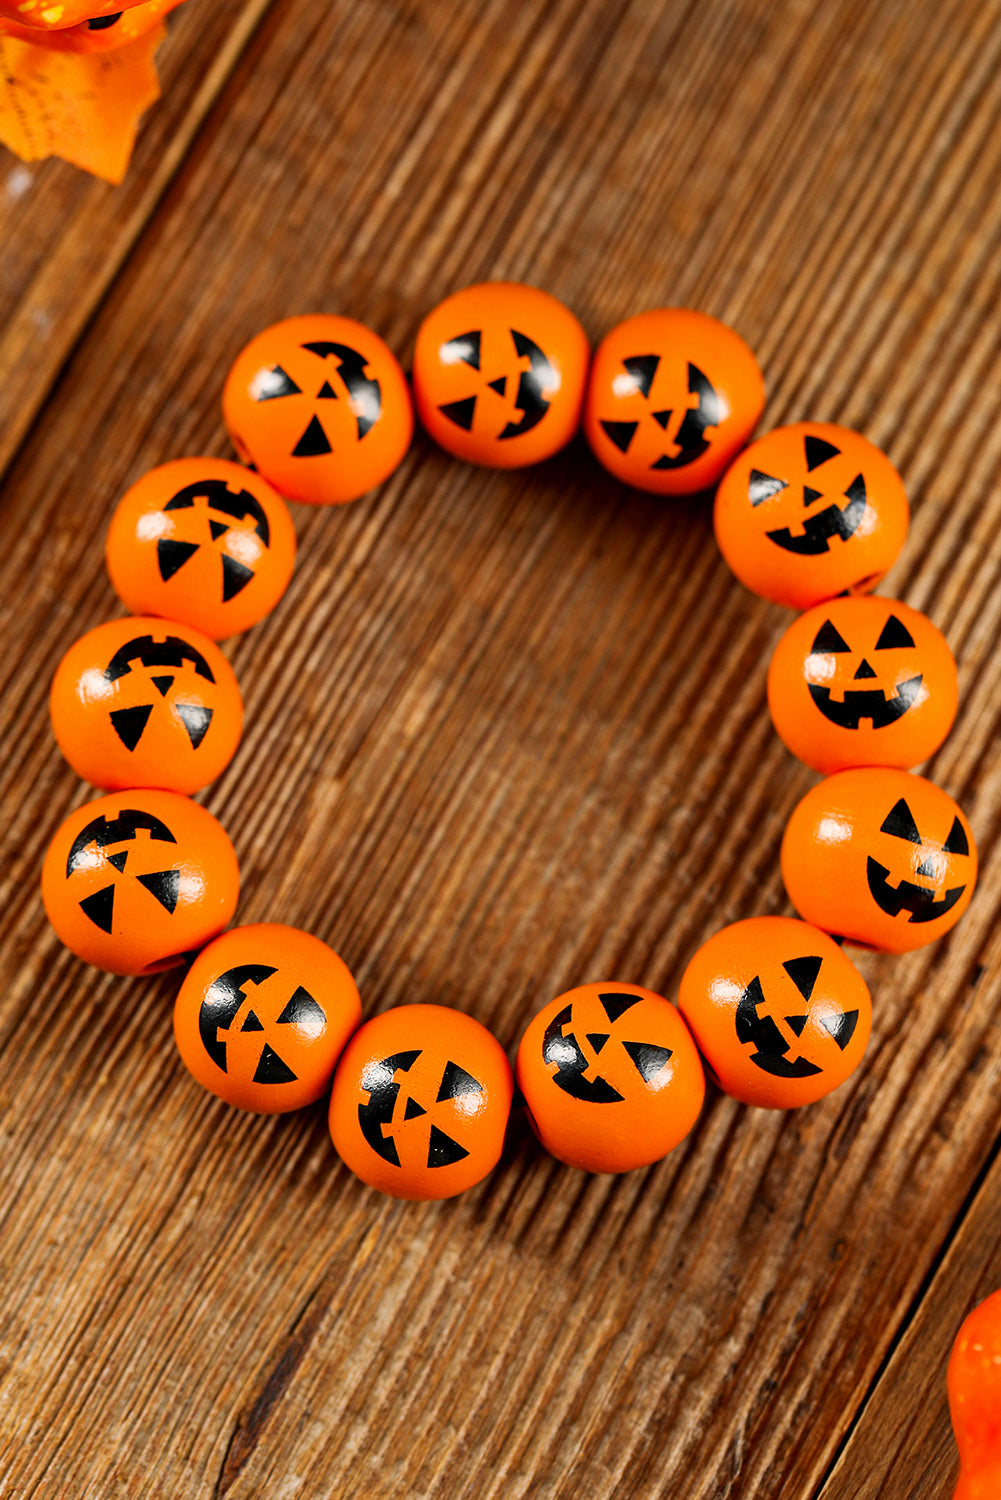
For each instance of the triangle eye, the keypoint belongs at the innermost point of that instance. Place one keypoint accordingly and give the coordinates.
(899, 822)
(894, 634)
(957, 842)
(829, 640)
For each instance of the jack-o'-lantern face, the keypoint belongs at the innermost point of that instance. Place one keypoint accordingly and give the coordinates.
(816, 495)
(672, 396)
(610, 1076)
(881, 857)
(202, 541)
(499, 374)
(320, 406)
(840, 695)
(262, 1016)
(779, 1041)
(420, 1102)
(583, 1068)
(399, 1127)
(924, 879)
(683, 425)
(140, 703)
(780, 1014)
(862, 682)
(135, 881)
(809, 512)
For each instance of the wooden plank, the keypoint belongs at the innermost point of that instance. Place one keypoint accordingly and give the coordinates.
(903, 1444)
(65, 235)
(507, 733)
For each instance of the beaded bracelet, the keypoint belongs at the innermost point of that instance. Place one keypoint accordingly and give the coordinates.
(611, 1074)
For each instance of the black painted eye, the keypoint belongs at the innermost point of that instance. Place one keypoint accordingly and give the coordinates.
(899, 822)
(101, 23)
(894, 634)
(829, 640)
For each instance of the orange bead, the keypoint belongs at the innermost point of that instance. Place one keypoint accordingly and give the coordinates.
(137, 881)
(146, 703)
(862, 682)
(974, 1385)
(672, 397)
(319, 405)
(203, 541)
(499, 374)
(420, 1102)
(811, 511)
(263, 1015)
(780, 1015)
(879, 857)
(611, 1077)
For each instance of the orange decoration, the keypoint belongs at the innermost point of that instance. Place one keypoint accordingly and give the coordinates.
(672, 397)
(76, 27)
(319, 405)
(420, 1102)
(135, 882)
(780, 1015)
(146, 703)
(974, 1385)
(263, 1015)
(203, 541)
(499, 374)
(862, 682)
(811, 511)
(611, 1077)
(879, 857)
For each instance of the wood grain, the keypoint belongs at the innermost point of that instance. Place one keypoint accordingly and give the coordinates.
(506, 733)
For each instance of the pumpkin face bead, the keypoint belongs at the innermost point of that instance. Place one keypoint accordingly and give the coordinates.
(862, 682)
(780, 1015)
(203, 541)
(263, 1015)
(420, 1102)
(880, 857)
(973, 1381)
(146, 702)
(610, 1076)
(136, 881)
(672, 397)
(811, 511)
(319, 405)
(499, 374)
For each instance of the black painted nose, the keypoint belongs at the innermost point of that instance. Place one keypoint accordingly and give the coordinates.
(865, 670)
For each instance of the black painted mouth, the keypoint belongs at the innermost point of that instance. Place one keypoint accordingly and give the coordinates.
(818, 531)
(906, 896)
(869, 704)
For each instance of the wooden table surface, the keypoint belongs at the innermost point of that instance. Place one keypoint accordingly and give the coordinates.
(506, 733)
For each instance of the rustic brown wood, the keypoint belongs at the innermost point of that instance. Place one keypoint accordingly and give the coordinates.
(506, 732)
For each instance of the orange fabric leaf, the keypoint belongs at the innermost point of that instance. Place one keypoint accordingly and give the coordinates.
(82, 107)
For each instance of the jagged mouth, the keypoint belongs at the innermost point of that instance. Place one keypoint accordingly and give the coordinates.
(920, 902)
(866, 703)
(818, 531)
